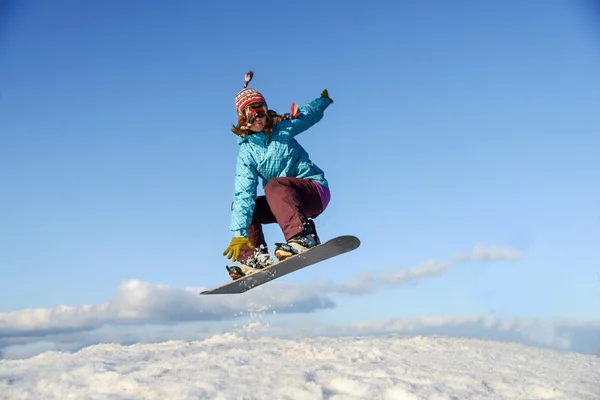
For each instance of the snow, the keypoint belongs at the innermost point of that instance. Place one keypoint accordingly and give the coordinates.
(237, 366)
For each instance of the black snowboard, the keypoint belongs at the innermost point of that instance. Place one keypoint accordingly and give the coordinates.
(328, 249)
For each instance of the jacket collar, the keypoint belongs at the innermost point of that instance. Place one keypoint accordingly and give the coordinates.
(253, 138)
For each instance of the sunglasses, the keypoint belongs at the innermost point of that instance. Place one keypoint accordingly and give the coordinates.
(256, 111)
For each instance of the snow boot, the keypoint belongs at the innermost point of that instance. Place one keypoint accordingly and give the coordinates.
(258, 260)
(303, 241)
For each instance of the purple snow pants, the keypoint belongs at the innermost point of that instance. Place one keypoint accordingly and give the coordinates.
(287, 202)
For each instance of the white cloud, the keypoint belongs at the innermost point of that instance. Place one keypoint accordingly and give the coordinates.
(489, 253)
(140, 302)
(554, 333)
(558, 334)
(369, 282)
(428, 268)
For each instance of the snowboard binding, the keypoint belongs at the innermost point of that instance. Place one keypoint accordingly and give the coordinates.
(235, 272)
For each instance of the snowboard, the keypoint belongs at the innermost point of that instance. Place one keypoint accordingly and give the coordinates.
(331, 248)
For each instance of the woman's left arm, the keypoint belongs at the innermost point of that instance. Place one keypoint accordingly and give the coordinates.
(310, 114)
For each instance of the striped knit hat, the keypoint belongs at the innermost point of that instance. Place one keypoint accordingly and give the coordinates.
(248, 96)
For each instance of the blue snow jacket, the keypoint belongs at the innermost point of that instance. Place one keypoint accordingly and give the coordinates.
(271, 156)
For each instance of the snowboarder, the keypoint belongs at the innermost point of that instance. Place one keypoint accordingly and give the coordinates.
(295, 189)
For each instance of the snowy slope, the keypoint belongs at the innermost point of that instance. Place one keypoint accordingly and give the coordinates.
(229, 366)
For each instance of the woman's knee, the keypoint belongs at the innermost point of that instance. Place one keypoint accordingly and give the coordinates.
(275, 183)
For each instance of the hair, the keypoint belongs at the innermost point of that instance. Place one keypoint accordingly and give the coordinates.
(272, 119)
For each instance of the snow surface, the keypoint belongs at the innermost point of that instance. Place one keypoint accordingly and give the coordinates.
(236, 366)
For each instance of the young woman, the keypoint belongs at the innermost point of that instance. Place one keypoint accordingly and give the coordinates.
(295, 189)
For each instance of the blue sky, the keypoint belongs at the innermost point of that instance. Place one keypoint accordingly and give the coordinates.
(454, 126)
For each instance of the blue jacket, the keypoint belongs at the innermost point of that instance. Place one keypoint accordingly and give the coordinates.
(271, 156)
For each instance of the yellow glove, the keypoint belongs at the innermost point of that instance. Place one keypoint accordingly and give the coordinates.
(237, 244)
(325, 95)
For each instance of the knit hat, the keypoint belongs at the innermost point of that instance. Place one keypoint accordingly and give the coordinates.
(248, 96)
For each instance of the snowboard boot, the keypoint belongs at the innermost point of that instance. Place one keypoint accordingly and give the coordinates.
(303, 241)
(258, 260)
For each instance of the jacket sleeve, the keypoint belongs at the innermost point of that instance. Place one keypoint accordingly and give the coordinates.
(310, 114)
(246, 182)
